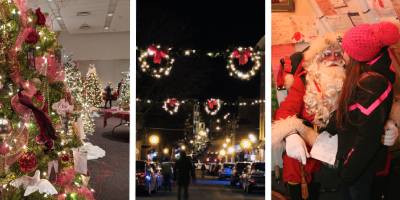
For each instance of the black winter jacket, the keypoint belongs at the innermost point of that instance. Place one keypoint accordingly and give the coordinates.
(359, 145)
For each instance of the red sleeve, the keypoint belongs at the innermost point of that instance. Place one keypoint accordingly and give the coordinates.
(293, 103)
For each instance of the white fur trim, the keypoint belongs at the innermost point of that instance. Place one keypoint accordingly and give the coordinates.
(281, 129)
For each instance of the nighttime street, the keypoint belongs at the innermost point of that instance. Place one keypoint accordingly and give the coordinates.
(200, 99)
(207, 188)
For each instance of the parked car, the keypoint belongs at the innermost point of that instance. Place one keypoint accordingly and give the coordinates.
(198, 165)
(254, 178)
(226, 170)
(211, 168)
(237, 172)
(146, 179)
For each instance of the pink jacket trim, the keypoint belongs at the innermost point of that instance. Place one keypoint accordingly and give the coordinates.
(374, 105)
(374, 60)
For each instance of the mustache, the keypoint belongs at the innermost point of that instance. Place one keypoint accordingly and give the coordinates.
(339, 63)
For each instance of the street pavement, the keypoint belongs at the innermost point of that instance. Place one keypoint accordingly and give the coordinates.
(209, 188)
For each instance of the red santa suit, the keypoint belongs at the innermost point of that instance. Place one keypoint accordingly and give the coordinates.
(313, 93)
(294, 106)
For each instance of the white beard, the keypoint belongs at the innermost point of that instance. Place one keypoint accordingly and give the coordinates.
(330, 81)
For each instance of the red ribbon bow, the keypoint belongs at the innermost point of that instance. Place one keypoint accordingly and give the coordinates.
(211, 104)
(158, 54)
(297, 36)
(172, 102)
(242, 56)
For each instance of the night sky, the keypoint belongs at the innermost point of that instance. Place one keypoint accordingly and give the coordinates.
(204, 26)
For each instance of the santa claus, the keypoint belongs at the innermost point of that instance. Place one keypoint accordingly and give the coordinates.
(311, 100)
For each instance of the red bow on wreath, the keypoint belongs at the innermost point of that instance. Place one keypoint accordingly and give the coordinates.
(158, 54)
(172, 103)
(242, 56)
(211, 104)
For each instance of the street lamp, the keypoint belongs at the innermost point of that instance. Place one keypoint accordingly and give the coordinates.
(231, 150)
(245, 143)
(154, 139)
(222, 152)
(252, 138)
(224, 145)
(183, 147)
(228, 140)
(166, 151)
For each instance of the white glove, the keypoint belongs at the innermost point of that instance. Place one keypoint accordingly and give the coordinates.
(391, 133)
(296, 148)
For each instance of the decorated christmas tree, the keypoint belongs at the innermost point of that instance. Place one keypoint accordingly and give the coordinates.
(92, 88)
(73, 78)
(125, 94)
(39, 140)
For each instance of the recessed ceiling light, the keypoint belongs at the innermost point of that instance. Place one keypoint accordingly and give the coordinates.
(106, 27)
(83, 13)
(84, 27)
(110, 14)
(58, 18)
(49, 0)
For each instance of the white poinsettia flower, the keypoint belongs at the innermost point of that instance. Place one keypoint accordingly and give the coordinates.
(62, 107)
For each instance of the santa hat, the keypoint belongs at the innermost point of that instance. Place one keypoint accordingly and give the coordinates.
(365, 41)
(320, 44)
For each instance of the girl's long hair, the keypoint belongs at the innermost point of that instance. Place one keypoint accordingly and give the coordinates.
(353, 73)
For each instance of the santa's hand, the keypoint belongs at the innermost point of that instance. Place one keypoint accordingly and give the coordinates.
(296, 148)
(391, 133)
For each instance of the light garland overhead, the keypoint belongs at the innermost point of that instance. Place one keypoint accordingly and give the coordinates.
(253, 102)
(161, 63)
(171, 106)
(243, 56)
(247, 65)
(212, 106)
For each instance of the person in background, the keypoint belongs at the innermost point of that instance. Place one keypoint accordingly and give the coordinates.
(119, 86)
(203, 170)
(184, 172)
(166, 171)
(108, 92)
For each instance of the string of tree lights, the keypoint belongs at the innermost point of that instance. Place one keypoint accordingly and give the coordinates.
(242, 62)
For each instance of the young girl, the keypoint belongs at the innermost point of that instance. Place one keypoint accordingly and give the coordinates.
(364, 107)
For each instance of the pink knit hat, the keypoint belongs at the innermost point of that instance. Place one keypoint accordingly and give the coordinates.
(364, 42)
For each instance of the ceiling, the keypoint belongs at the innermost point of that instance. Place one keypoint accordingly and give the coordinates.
(63, 15)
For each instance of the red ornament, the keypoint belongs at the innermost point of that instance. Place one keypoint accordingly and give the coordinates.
(4, 149)
(158, 54)
(243, 55)
(27, 162)
(33, 37)
(65, 157)
(41, 18)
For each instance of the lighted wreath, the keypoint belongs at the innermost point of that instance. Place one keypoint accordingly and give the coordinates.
(212, 106)
(171, 106)
(156, 62)
(244, 63)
